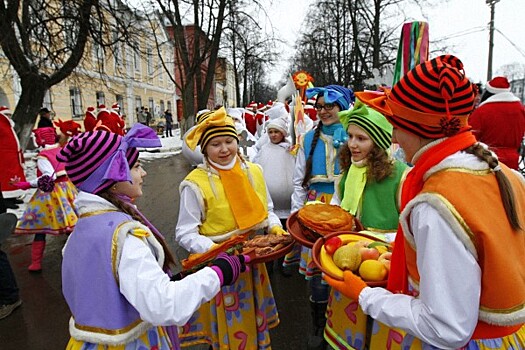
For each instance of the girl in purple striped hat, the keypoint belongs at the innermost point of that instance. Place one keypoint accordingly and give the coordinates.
(116, 265)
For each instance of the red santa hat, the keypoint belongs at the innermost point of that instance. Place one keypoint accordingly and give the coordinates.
(498, 85)
(115, 106)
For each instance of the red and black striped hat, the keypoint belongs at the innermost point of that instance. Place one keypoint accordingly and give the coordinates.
(433, 100)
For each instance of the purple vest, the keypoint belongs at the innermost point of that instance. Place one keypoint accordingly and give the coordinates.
(88, 282)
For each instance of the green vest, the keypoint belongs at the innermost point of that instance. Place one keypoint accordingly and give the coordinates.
(379, 205)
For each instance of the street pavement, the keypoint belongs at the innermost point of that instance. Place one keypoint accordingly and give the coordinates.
(41, 323)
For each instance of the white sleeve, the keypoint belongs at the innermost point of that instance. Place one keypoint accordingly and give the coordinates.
(273, 219)
(46, 168)
(446, 311)
(299, 192)
(187, 230)
(157, 299)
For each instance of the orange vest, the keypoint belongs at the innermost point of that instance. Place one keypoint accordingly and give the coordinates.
(475, 212)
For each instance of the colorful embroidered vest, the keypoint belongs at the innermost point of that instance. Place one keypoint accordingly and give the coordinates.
(498, 249)
(325, 167)
(99, 238)
(219, 222)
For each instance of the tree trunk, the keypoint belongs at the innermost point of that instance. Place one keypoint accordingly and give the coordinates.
(27, 108)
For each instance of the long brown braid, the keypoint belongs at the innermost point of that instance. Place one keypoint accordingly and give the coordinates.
(507, 196)
(169, 260)
(309, 161)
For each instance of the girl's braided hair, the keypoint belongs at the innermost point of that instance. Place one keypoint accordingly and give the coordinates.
(504, 185)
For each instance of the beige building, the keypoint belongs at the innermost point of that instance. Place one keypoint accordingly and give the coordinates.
(224, 83)
(131, 79)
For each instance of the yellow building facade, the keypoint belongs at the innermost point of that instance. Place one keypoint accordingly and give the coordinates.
(131, 78)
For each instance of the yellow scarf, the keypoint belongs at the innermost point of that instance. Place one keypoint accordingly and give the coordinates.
(246, 206)
(354, 187)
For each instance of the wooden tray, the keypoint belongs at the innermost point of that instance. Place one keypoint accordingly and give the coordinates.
(319, 244)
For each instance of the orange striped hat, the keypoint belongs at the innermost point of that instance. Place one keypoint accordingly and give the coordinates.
(433, 100)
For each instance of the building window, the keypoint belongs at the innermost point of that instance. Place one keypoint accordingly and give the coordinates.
(48, 102)
(76, 103)
(138, 103)
(169, 106)
(136, 61)
(151, 107)
(120, 101)
(150, 61)
(161, 103)
(101, 100)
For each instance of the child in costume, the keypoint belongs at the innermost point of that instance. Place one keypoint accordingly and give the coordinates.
(368, 189)
(134, 304)
(278, 165)
(223, 197)
(316, 170)
(50, 211)
(456, 278)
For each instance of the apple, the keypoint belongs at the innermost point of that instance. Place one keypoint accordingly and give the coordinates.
(332, 244)
(369, 253)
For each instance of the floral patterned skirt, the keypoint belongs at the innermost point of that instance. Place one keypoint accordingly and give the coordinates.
(155, 338)
(347, 327)
(50, 212)
(239, 317)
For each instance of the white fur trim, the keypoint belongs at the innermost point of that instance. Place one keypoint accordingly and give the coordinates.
(503, 319)
(501, 97)
(107, 339)
(198, 193)
(446, 211)
(122, 232)
(459, 160)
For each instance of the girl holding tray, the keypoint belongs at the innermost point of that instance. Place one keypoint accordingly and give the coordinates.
(368, 189)
(223, 197)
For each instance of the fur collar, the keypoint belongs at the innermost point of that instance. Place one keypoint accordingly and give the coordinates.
(501, 97)
(88, 202)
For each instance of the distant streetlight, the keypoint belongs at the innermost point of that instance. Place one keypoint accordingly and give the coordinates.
(492, 4)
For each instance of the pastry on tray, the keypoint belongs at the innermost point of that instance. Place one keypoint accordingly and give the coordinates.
(267, 244)
(320, 219)
(195, 261)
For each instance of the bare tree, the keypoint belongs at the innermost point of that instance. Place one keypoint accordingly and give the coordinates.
(45, 42)
(197, 30)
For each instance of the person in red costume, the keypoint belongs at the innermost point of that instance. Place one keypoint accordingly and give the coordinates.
(90, 121)
(50, 211)
(499, 121)
(12, 159)
(109, 120)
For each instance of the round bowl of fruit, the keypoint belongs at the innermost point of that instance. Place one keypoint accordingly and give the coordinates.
(365, 255)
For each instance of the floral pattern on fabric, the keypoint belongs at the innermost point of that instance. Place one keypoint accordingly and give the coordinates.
(50, 212)
(239, 317)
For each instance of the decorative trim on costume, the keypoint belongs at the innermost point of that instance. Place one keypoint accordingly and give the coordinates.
(449, 214)
(117, 243)
(198, 193)
(96, 212)
(105, 336)
(508, 317)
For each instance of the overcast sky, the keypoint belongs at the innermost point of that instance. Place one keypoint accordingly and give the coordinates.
(463, 22)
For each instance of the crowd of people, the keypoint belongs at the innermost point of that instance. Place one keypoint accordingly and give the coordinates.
(452, 205)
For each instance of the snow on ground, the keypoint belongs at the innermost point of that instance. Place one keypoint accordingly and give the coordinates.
(170, 146)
